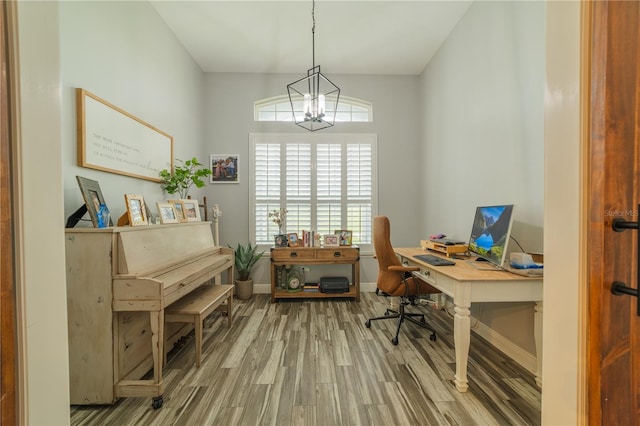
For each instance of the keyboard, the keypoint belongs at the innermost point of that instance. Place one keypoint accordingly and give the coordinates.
(434, 260)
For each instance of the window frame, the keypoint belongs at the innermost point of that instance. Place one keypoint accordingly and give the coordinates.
(284, 99)
(313, 139)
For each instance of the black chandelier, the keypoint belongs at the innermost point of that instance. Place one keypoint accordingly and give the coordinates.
(314, 98)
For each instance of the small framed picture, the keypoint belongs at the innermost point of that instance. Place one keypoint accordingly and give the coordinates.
(281, 240)
(331, 241)
(191, 210)
(344, 237)
(224, 168)
(136, 210)
(167, 212)
(93, 198)
(180, 213)
(293, 239)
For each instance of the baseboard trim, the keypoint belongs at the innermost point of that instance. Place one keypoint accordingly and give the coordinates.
(513, 351)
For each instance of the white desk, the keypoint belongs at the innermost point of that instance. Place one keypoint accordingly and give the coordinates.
(465, 285)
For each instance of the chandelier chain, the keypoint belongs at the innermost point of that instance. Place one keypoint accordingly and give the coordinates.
(313, 33)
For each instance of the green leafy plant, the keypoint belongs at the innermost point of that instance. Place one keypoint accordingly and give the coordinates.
(183, 177)
(246, 257)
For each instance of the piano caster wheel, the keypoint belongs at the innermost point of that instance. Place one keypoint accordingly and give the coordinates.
(367, 323)
(394, 341)
(433, 337)
(377, 291)
(156, 402)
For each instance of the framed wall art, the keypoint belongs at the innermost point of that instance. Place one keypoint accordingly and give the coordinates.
(167, 212)
(224, 168)
(112, 140)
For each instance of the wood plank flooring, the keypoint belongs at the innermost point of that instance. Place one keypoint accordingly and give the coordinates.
(313, 362)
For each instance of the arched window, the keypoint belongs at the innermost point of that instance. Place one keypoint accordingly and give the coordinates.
(278, 108)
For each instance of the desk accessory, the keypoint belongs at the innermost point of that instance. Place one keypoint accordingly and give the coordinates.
(445, 248)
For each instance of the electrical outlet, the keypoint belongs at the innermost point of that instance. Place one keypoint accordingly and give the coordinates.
(305, 268)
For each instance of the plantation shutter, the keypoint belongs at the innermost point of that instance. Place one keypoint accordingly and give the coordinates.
(326, 183)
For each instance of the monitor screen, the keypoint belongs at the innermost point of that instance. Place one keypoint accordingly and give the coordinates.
(490, 232)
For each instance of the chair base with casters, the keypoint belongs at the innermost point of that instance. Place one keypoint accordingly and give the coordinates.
(402, 316)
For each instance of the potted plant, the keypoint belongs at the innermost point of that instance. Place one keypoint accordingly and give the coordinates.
(245, 258)
(183, 177)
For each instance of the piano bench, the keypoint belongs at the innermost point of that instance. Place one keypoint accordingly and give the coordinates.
(196, 306)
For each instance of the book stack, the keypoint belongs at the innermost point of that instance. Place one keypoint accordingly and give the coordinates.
(308, 238)
(311, 287)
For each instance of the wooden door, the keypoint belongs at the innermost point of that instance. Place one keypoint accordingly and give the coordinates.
(8, 410)
(614, 193)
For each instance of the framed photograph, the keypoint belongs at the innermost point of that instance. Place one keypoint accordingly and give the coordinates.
(331, 241)
(167, 212)
(344, 237)
(136, 210)
(224, 168)
(93, 197)
(180, 212)
(293, 239)
(281, 240)
(191, 210)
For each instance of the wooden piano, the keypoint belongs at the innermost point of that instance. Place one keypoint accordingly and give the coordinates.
(119, 281)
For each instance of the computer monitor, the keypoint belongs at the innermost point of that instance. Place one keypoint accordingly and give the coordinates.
(490, 232)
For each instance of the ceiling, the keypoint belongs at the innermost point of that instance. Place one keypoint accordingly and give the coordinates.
(351, 37)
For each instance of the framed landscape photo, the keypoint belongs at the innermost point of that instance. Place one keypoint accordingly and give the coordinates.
(331, 241)
(136, 210)
(224, 168)
(167, 212)
(191, 210)
(180, 212)
(344, 237)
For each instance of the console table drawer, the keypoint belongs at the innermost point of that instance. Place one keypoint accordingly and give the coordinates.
(292, 254)
(338, 253)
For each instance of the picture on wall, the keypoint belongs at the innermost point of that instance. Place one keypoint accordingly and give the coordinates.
(224, 168)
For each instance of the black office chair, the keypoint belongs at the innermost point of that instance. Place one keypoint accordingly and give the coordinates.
(395, 279)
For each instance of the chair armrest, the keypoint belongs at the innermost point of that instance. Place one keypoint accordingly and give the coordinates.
(403, 268)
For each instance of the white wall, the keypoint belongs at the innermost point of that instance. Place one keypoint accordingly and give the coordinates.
(483, 139)
(124, 53)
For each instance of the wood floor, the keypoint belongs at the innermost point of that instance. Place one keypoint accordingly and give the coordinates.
(314, 362)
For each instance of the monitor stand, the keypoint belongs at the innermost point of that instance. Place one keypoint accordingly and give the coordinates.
(482, 264)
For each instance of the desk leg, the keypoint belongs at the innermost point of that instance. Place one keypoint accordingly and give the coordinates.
(461, 341)
(537, 335)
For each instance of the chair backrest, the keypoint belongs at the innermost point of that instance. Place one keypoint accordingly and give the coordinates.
(388, 282)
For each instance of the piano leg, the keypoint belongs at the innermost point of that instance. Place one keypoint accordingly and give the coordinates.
(156, 320)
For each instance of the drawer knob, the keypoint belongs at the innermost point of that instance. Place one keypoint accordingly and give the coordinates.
(336, 254)
(294, 254)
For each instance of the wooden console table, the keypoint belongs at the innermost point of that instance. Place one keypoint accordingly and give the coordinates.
(285, 256)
